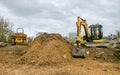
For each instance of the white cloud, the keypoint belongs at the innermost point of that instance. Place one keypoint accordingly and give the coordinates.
(60, 15)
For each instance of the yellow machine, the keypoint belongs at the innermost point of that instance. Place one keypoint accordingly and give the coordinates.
(92, 38)
(19, 37)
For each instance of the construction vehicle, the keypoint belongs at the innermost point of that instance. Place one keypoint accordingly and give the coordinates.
(92, 38)
(19, 37)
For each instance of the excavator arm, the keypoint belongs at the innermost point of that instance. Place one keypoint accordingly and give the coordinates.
(78, 51)
(81, 22)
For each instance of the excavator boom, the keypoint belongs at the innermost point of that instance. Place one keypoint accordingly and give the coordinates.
(79, 51)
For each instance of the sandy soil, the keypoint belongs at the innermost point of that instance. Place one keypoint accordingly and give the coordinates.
(50, 55)
(78, 66)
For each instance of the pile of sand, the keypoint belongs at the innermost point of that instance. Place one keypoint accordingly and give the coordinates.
(48, 49)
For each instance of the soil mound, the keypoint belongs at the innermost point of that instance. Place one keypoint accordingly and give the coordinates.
(103, 54)
(117, 53)
(10, 54)
(48, 49)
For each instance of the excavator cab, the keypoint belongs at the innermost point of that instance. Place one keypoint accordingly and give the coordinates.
(96, 37)
(96, 32)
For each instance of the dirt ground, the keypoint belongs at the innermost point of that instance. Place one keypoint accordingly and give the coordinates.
(78, 67)
(50, 54)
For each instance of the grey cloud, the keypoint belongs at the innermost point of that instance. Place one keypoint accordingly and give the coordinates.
(60, 15)
(21, 8)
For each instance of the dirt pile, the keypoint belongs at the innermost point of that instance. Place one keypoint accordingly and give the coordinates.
(10, 54)
(103, 54)
(117, 53)
(48, 49)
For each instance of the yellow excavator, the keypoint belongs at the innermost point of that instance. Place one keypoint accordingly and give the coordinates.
(91, 39)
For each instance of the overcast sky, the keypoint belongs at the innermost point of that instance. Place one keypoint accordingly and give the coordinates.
(59, 16)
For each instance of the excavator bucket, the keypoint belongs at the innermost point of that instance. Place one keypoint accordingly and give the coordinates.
(80, 52)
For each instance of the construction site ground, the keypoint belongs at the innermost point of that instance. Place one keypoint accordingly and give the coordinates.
(50, 54)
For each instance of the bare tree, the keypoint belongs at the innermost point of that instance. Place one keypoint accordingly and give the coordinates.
(5, 30)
